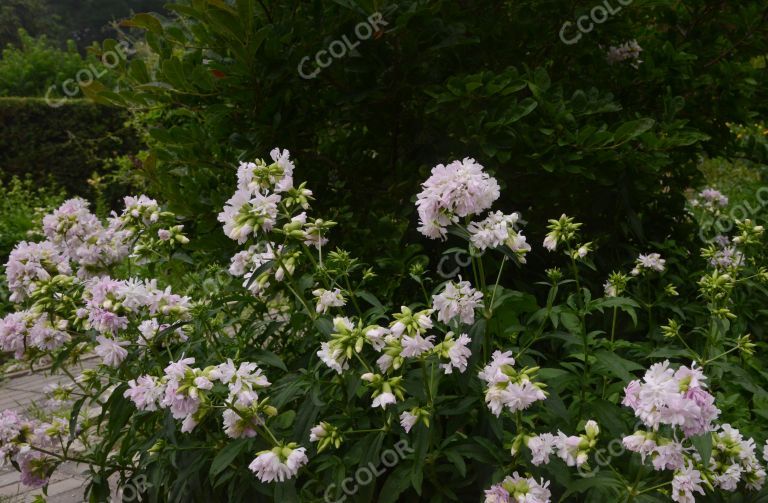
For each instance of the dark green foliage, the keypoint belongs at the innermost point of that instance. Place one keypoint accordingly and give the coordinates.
(31, 15)
(38, 68)
(67, 143)
(443, 80)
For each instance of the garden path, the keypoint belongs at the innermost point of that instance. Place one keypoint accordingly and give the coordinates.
(19, 391)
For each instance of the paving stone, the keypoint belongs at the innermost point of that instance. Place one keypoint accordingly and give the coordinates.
(68, 482)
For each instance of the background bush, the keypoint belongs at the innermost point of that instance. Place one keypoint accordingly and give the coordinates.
(36, 66)
(67, 144)
(565, 130)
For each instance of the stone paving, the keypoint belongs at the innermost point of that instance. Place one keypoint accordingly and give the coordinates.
(20, 391)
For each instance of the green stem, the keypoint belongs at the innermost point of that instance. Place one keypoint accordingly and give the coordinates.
(654, 488)
(482, 272)
(719, 356)
(352, 296)
(584, 335)
(362, 361)
(427, 382)
(496, 285)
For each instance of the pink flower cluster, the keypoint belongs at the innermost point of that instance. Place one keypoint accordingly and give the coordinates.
(20, 439)
(32, 263)
(457, 300)
(678, 399)
(710, 199)
(80, 235)
(253, 206)
(518, 489)
(109, 303)
(77, 240)
(24, 330)
(506, 387)
(181, 388)
(454, 191)
(675, 398)
(573, 449)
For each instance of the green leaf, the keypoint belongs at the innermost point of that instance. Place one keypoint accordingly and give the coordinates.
(145, 21)
(458, 462)
(284, 420)
(268, 357)
(368, 297)
(617, 365)
(703, 445)
(632, 129)
(571, 322)
(396, 484)
(225, 456)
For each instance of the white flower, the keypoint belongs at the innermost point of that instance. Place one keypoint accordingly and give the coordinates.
(376, 336)
(244, 212)
(686, 481)
(568, 449)
(145, 392)
(458, 353)
(542, 446)
(493, 231)
(189, 424)
(668, 456)
(520, 396)
(639, 442)
(629, 50)
(282, 159)
(416, 345)
(498, 359)
(408, 420)
(384, 399)
(317, 432)
(456, 190)
(518, 489)
(550, 242)
(457, 300)
(333, 357)
(327, 299)
(237, 426)
(729, 479)
(111, 351)
(649, 262)
(279, 464)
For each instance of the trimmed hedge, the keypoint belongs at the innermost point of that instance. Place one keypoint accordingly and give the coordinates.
(67, 143)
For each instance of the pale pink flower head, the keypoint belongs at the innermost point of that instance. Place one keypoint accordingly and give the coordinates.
(408, 420)
(35, 468)
(457, 300)
(541, 446)
(111, 351)
(687, 481)
(496, 494)
(458, 353)
(279, 464)
(416, 345)
(457, 190)
(237, 426)
(384, 399)
(145, 392)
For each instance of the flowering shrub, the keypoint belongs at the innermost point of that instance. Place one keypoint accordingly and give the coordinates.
(288, 371)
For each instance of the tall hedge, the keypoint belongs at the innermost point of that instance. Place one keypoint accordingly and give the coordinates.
(554, 121)
(67, 143)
